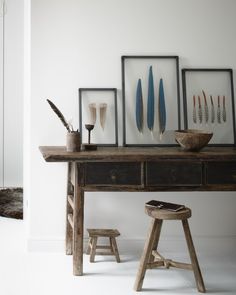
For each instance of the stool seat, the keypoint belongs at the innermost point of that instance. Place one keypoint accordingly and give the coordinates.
(168, 215)
(95, 232)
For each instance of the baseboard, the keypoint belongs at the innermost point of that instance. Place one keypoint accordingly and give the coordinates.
(204, 245)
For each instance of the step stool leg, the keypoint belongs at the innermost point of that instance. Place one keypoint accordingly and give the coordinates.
(93, 250)
(115, 248)
(193, 256)
(154, 228)
(89, 246)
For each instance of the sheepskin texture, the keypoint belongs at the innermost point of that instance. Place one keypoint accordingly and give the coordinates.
(11, 202)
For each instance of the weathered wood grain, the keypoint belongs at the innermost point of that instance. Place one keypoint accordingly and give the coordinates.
(69, 211)
(193, 256)
(151, 258)
(137, 169)
(110, 154)
(78, 221)
(146, 255)
(94, 234)
(103, 232)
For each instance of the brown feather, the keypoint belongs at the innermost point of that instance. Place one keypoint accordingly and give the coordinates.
(59, 114)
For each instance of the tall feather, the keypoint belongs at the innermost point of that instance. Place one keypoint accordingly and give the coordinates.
(162, 108)
(205, 106)
(212, 110)
(150, 101)
(224, 110)
(139, 106)
(59, 114)
(103, 112)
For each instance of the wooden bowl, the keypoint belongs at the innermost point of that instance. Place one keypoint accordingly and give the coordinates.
(192, 139)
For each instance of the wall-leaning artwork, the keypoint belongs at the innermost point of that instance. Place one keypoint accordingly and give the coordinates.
(98, 107)
(208, 98)
(151, 100)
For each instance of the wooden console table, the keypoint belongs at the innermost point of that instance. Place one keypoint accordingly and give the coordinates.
(136, 169)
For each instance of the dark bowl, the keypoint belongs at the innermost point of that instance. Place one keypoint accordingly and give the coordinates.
(192, 139)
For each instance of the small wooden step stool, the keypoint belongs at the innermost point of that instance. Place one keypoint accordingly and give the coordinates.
(94, 234)
(152, 259)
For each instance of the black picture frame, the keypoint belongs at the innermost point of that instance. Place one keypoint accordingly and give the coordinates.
(211, 73)
(113, 92)
(173, 58)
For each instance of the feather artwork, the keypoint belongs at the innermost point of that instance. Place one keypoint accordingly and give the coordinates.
(139, 106)
(162, 109)
(212, 110)
(60, 115)
(150, 101)
(93, 113)
(103, 112)
(199, 109)
(224, 110)
(218, 111)
(205, 107)
(194, 110)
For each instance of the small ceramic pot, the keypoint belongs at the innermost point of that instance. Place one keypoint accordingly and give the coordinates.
(73, 141)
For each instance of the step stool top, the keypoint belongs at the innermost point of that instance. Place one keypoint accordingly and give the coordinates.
(98, 232)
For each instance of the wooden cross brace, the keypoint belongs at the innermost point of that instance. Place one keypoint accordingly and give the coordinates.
(167, 263)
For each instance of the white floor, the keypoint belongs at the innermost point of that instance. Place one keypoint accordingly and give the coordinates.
(47, 273)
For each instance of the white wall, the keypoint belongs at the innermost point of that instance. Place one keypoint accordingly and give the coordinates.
(11, 95)
(1, 92)
(78, 43)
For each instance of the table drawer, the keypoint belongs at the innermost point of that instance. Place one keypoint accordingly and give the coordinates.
(128, 173)
(221, 172)
(174, 173)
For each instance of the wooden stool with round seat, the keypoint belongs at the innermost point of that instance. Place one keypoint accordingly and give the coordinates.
(152, 259)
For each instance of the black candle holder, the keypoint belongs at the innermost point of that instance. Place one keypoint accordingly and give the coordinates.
(89, 146)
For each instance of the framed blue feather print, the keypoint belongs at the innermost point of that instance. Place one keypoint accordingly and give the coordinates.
(151, 100)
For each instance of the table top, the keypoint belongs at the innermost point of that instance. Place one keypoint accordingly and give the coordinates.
(109, 154)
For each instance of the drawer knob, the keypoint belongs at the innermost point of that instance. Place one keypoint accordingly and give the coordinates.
(113, 175)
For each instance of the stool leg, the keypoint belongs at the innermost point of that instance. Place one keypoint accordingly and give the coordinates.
(89, 246)
(156, 239)
(93, 249)
(154, 228)
(193, 256)
(115, 248)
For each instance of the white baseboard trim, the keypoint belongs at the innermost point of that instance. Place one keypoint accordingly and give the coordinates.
(203, 245)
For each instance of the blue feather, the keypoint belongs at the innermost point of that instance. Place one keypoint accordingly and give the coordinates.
(139, 106)
(150, 101)
(162, 108)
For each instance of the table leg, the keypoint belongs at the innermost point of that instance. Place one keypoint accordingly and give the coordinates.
(78, 222)
(69, 210)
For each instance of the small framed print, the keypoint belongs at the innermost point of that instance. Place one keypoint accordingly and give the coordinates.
(208, 101)
(151, 100)
(98, 107)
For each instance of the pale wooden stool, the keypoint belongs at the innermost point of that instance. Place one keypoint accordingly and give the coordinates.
(94, 234)
(152, 259)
